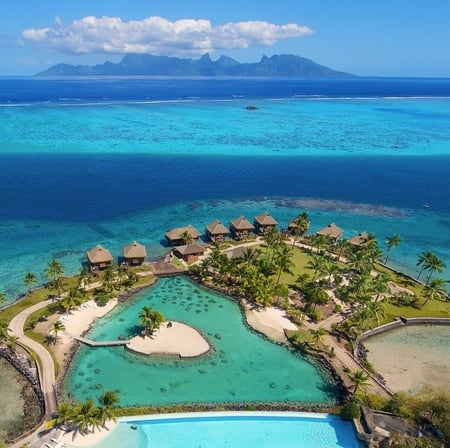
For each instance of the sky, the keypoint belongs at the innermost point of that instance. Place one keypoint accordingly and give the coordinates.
(368, 38)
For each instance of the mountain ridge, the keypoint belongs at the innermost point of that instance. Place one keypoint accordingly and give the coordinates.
(283, 65)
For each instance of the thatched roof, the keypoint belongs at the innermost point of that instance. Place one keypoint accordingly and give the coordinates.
(216, 228)
(176, 234)
(360, 239)
(331, 230)
(242, 223)
(190, 249)
(266, 219)
(99, 255)
(134, 250)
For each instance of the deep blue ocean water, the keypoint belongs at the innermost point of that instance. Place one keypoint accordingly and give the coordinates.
(88, 161)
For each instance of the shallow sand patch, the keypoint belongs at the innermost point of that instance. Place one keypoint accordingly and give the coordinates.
(172, 338)
(411, 357)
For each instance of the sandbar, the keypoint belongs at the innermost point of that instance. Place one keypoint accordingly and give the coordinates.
(171, 338)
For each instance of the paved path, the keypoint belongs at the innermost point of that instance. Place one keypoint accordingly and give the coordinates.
(47, 367)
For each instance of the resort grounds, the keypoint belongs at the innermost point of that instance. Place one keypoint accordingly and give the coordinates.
(283, 320)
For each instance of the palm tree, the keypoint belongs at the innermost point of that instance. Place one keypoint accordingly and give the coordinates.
(360, 379)
(424, 261)
(108, 278)
(70, 301)
(56, 327)
(30, 279)
(107, 401)
(435, 289)
(377, 310)
(391, 242)
(84, 278)
(54, 272)
(150, 320)
(435, 264)
(380, 285)
(317, 336)
(300, 226)
(86, 416)
(283, 262)
(250, 255)
(317, 265)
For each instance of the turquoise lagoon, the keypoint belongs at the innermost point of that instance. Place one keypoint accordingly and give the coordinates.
(113, 170)
(231, 430)
(241, 367)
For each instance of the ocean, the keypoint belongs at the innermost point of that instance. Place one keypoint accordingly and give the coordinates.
(112, 160)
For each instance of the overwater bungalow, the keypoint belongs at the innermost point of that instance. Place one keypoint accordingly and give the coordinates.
(134, 254)
(331, 231)
(178, 236)
(265, 222)
(241, 228)
(359, 240)
(216, 231)
(99, 258)
(189, 252)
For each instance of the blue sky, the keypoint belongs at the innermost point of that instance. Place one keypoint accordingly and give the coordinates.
(379, 38)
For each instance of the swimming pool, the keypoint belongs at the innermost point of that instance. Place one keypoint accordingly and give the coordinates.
(232, 430)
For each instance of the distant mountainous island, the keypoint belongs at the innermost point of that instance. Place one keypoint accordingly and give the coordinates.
(277, 66)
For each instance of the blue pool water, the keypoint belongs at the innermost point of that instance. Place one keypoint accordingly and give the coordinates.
(233, 430)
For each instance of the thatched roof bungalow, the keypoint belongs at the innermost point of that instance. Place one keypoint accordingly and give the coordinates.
(216, 231)
(99, 257)
(134, 254)
(189, 252)
(359, 240)
(241, 228)
(264, 222)
(331, 231)
(176, 237)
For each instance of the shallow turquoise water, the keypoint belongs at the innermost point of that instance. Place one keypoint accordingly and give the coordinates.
(242, 366)
(237, 430)
(111, 171)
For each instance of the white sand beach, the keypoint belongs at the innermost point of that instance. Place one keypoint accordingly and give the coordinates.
(270, 321)
(71, 439)
(172, 338)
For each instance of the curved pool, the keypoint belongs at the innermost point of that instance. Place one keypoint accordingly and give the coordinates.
(242, 367)
(232, 430)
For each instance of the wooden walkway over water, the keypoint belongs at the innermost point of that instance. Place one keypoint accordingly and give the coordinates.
(92, 343)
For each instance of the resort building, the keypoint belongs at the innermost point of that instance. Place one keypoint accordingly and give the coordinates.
(331, 231)
(99, 258)
(182, 235)
(134, 254)
(359, 240)
(216, 231)
(241, 228)
(265, 222)
(189, 252)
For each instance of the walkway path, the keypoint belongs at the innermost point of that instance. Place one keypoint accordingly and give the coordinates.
(92, 343)
(47, 367)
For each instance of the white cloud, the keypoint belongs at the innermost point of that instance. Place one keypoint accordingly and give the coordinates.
(158, 35)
